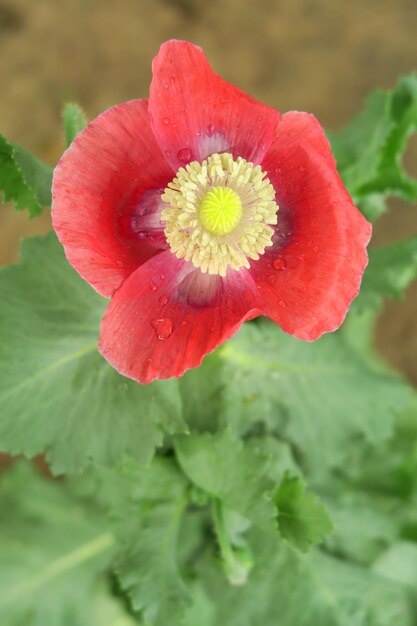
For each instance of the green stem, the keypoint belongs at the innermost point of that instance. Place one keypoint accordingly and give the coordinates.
(236, 564)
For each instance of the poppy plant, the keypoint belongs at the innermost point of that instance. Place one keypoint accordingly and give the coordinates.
(201, 208)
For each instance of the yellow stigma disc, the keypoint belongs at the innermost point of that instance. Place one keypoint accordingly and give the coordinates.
(220, 210)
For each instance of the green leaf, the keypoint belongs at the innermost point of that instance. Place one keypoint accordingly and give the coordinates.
(74, 121)
(399, 564)
(302, 519)
(57, 394)
(323, 396)
(292, 589)
(23, 178)
(201, 392)
(240, 474)
(146, 506)
(369, 150)
(364, 524)
(54, 553)
(391, 269)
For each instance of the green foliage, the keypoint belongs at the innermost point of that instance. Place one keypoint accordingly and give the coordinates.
(57, 394)
(369, 150)
(24, 179)
(390, 271)
(146, 506)
(302, 519)
(241, 475)
(74, 121)
(54, 553)
(289, 588)
(304, 392)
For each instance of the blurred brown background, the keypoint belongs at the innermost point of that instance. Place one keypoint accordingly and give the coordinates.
(322, 56)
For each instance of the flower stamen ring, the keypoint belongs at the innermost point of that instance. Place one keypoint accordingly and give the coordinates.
(219, 213)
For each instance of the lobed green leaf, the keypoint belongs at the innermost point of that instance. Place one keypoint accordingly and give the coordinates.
(54, 555)
(304, 392)
(24, 179)
(146, 506)
(74, 120)
(391, 269)
(302, 519)
(369, 150)
(57, 394)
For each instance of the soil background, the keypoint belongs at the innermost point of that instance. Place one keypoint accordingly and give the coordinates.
(322, 56)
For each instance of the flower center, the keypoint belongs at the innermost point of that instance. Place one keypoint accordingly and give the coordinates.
(221, 210)
(219, 213)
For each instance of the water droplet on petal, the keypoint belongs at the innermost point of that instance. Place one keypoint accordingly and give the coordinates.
(210, 130)
(282, 303)
(166, 85)
(279, 264)
(184, 155)
(184, 323)
(316, 249)
(162, 327)
(165, 121)
(163, 300)
(156, 281)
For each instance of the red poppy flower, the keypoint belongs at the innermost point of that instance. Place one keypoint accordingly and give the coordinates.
(201, 208)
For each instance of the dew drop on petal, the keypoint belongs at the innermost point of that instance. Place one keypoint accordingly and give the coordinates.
(279, 264)
(184, 155)
(210, 130)
(163, 300)
(162, 327)
(184, 323)
(282, 303)
(316, 249)
(165, 121)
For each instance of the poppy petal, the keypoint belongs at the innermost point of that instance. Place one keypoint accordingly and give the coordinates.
(167, 316)
(98, 185)
(195, 113)
(312, 272)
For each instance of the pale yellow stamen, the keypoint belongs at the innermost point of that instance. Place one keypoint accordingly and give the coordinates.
(219, 213)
